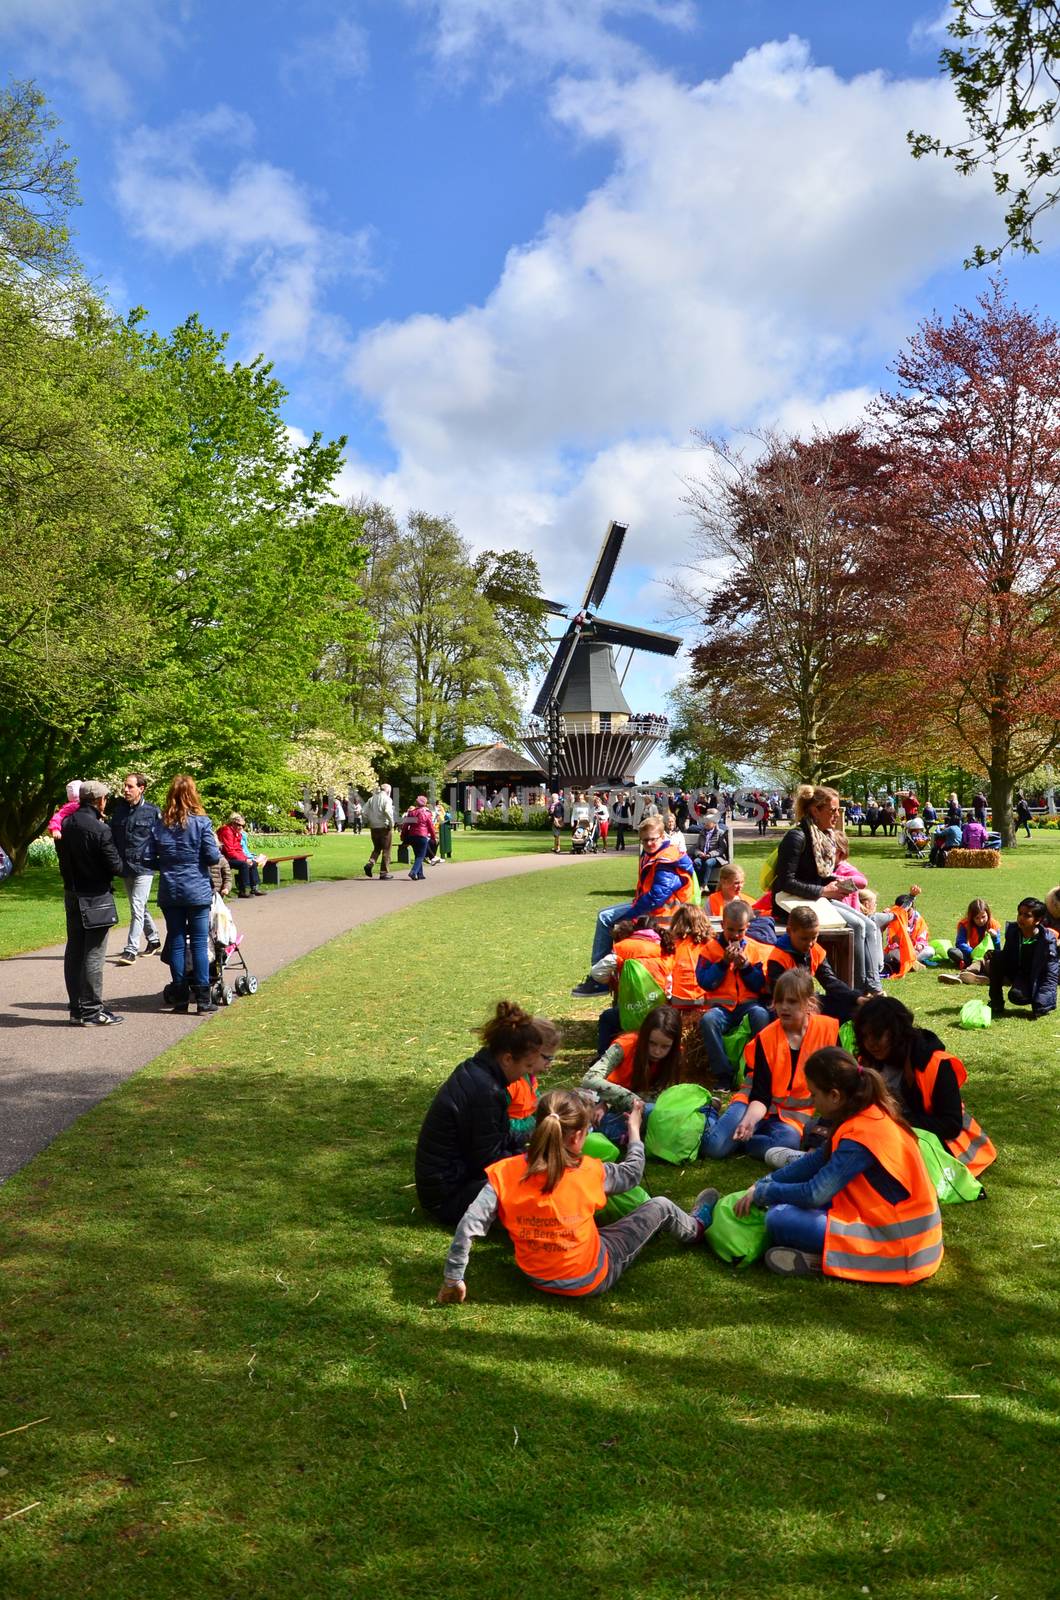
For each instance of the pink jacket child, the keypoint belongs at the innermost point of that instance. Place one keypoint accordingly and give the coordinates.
(857, 880)
(73, 791)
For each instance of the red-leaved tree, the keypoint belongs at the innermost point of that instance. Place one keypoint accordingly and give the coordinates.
(974, 429)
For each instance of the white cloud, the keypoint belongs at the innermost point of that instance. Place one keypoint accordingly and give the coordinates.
(751, 255)
(520, 37)
(95, 44)
(253, 217)
(338, 55)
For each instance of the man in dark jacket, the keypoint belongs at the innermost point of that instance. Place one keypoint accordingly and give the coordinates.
(88, 862)
(1029, 960)
(466, 1129)
(131, 826)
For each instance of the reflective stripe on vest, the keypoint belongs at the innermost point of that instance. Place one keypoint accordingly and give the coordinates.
(555, 1237)
(874, 1240)
(972, 1147)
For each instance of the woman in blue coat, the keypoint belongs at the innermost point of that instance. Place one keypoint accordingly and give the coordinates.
(183, 847)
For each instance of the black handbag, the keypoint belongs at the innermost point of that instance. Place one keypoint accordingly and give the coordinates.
(97, 910)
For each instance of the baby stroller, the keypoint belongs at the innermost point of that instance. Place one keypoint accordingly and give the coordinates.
(229, 974)
(583, 839)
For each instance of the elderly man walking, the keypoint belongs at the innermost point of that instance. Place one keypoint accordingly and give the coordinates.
(131, 825)
(379, 815)
(88, 862)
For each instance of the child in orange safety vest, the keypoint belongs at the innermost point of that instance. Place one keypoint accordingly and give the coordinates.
(635, 1066)
(548, 1200)
(774, 1105)
(861, 1206)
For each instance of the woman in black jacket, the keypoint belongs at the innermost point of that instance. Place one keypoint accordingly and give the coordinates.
(806, 860)
(467, 1126)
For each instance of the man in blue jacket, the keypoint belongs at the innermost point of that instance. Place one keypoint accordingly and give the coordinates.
(131, 824)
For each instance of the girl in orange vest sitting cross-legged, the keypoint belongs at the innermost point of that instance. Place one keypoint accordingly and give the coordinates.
(636, 1066)
(774, 1105)
(548, 1200)
(861, 1206)
(731, 880)
(924, 1077)
(691, 929)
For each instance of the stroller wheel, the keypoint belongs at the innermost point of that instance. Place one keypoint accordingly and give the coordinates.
(227, 997)
(241, 986)
(251, 983)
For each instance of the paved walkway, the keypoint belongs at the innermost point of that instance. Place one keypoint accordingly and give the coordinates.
(50, 1073)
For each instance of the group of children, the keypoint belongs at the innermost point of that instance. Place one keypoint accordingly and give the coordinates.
(843, 1097)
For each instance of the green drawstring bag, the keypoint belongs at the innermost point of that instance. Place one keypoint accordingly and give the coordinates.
(740, 1240)
(677, 1123)
(697, 891)
(734, 1045)
(975, 1014)
(941, 947)
(769, 870)
(638, 993)
(848, 1038)
(953, 1182)
(618, 1205)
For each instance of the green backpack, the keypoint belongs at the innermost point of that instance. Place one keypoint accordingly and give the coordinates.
(740, 1240)
(638, 993)
(618, 1205)
(677, 1123)
(975, 1014)
(734, 1044)
(953, 1182)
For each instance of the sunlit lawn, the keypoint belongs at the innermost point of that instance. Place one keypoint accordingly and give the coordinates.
(218, 1292)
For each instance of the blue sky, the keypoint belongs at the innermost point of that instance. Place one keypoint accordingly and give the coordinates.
(517, 250)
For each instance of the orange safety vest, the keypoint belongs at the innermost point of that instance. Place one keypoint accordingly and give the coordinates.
(522, 1097)
(623, 1073)
(667, 856)
(650, 955)
(732, 991)
(785, 959)
(873, 1240)
(555, 1236)
(974, 935)
(717, 904)
(791, 1100)
(683, 972)
(971, 1147)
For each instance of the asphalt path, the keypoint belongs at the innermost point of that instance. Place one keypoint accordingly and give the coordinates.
(50, 1072)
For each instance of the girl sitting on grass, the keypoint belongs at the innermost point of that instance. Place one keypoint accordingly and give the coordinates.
(774, 1106)
(690, 928)
(978, 935)
(924, 1077)
(862, 1206)
(548, 1199)
(637, 1065)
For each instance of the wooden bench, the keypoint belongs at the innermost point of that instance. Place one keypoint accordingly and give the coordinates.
(270, 872)
(838, 946)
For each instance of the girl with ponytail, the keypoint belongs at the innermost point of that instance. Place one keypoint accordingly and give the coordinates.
(548, 1200)
(862, 1206)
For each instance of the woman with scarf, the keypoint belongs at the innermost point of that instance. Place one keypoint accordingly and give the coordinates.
(806, 869)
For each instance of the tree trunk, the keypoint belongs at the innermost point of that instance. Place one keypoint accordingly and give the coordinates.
(1001, 804)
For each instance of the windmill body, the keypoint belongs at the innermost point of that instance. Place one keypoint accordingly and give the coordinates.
(582, 730)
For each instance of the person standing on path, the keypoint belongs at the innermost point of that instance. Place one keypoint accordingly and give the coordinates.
(182, 843)
(131, 825)
(379, 815)
(557, 812)
(418, 830)
(88, 862)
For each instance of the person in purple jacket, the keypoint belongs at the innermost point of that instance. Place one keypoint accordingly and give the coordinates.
(418, 830)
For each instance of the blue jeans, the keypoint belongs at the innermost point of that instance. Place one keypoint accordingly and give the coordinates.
(608, 1028)
(195, 922)
(798, 1228)
(602, 940)
(419, 844)
(716, 1022)
(717, 1142)
(138, 887)
(613, 1124)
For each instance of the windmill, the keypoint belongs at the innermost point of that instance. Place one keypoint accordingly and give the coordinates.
(581, 729)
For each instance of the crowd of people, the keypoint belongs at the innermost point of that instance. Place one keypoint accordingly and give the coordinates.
(752, 1038)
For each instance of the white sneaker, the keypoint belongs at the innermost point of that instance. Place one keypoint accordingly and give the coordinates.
(781, 1156)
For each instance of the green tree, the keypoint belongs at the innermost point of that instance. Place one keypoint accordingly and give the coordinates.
(38, 184)
(1005, 67)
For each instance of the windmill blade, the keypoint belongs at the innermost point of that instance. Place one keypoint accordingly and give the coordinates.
(554, 607)
(619, 633)
(605, 565)
(502, 596)
(556, 675)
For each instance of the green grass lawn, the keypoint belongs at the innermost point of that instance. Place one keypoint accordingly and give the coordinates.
(218, 1292)
(31, 905)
